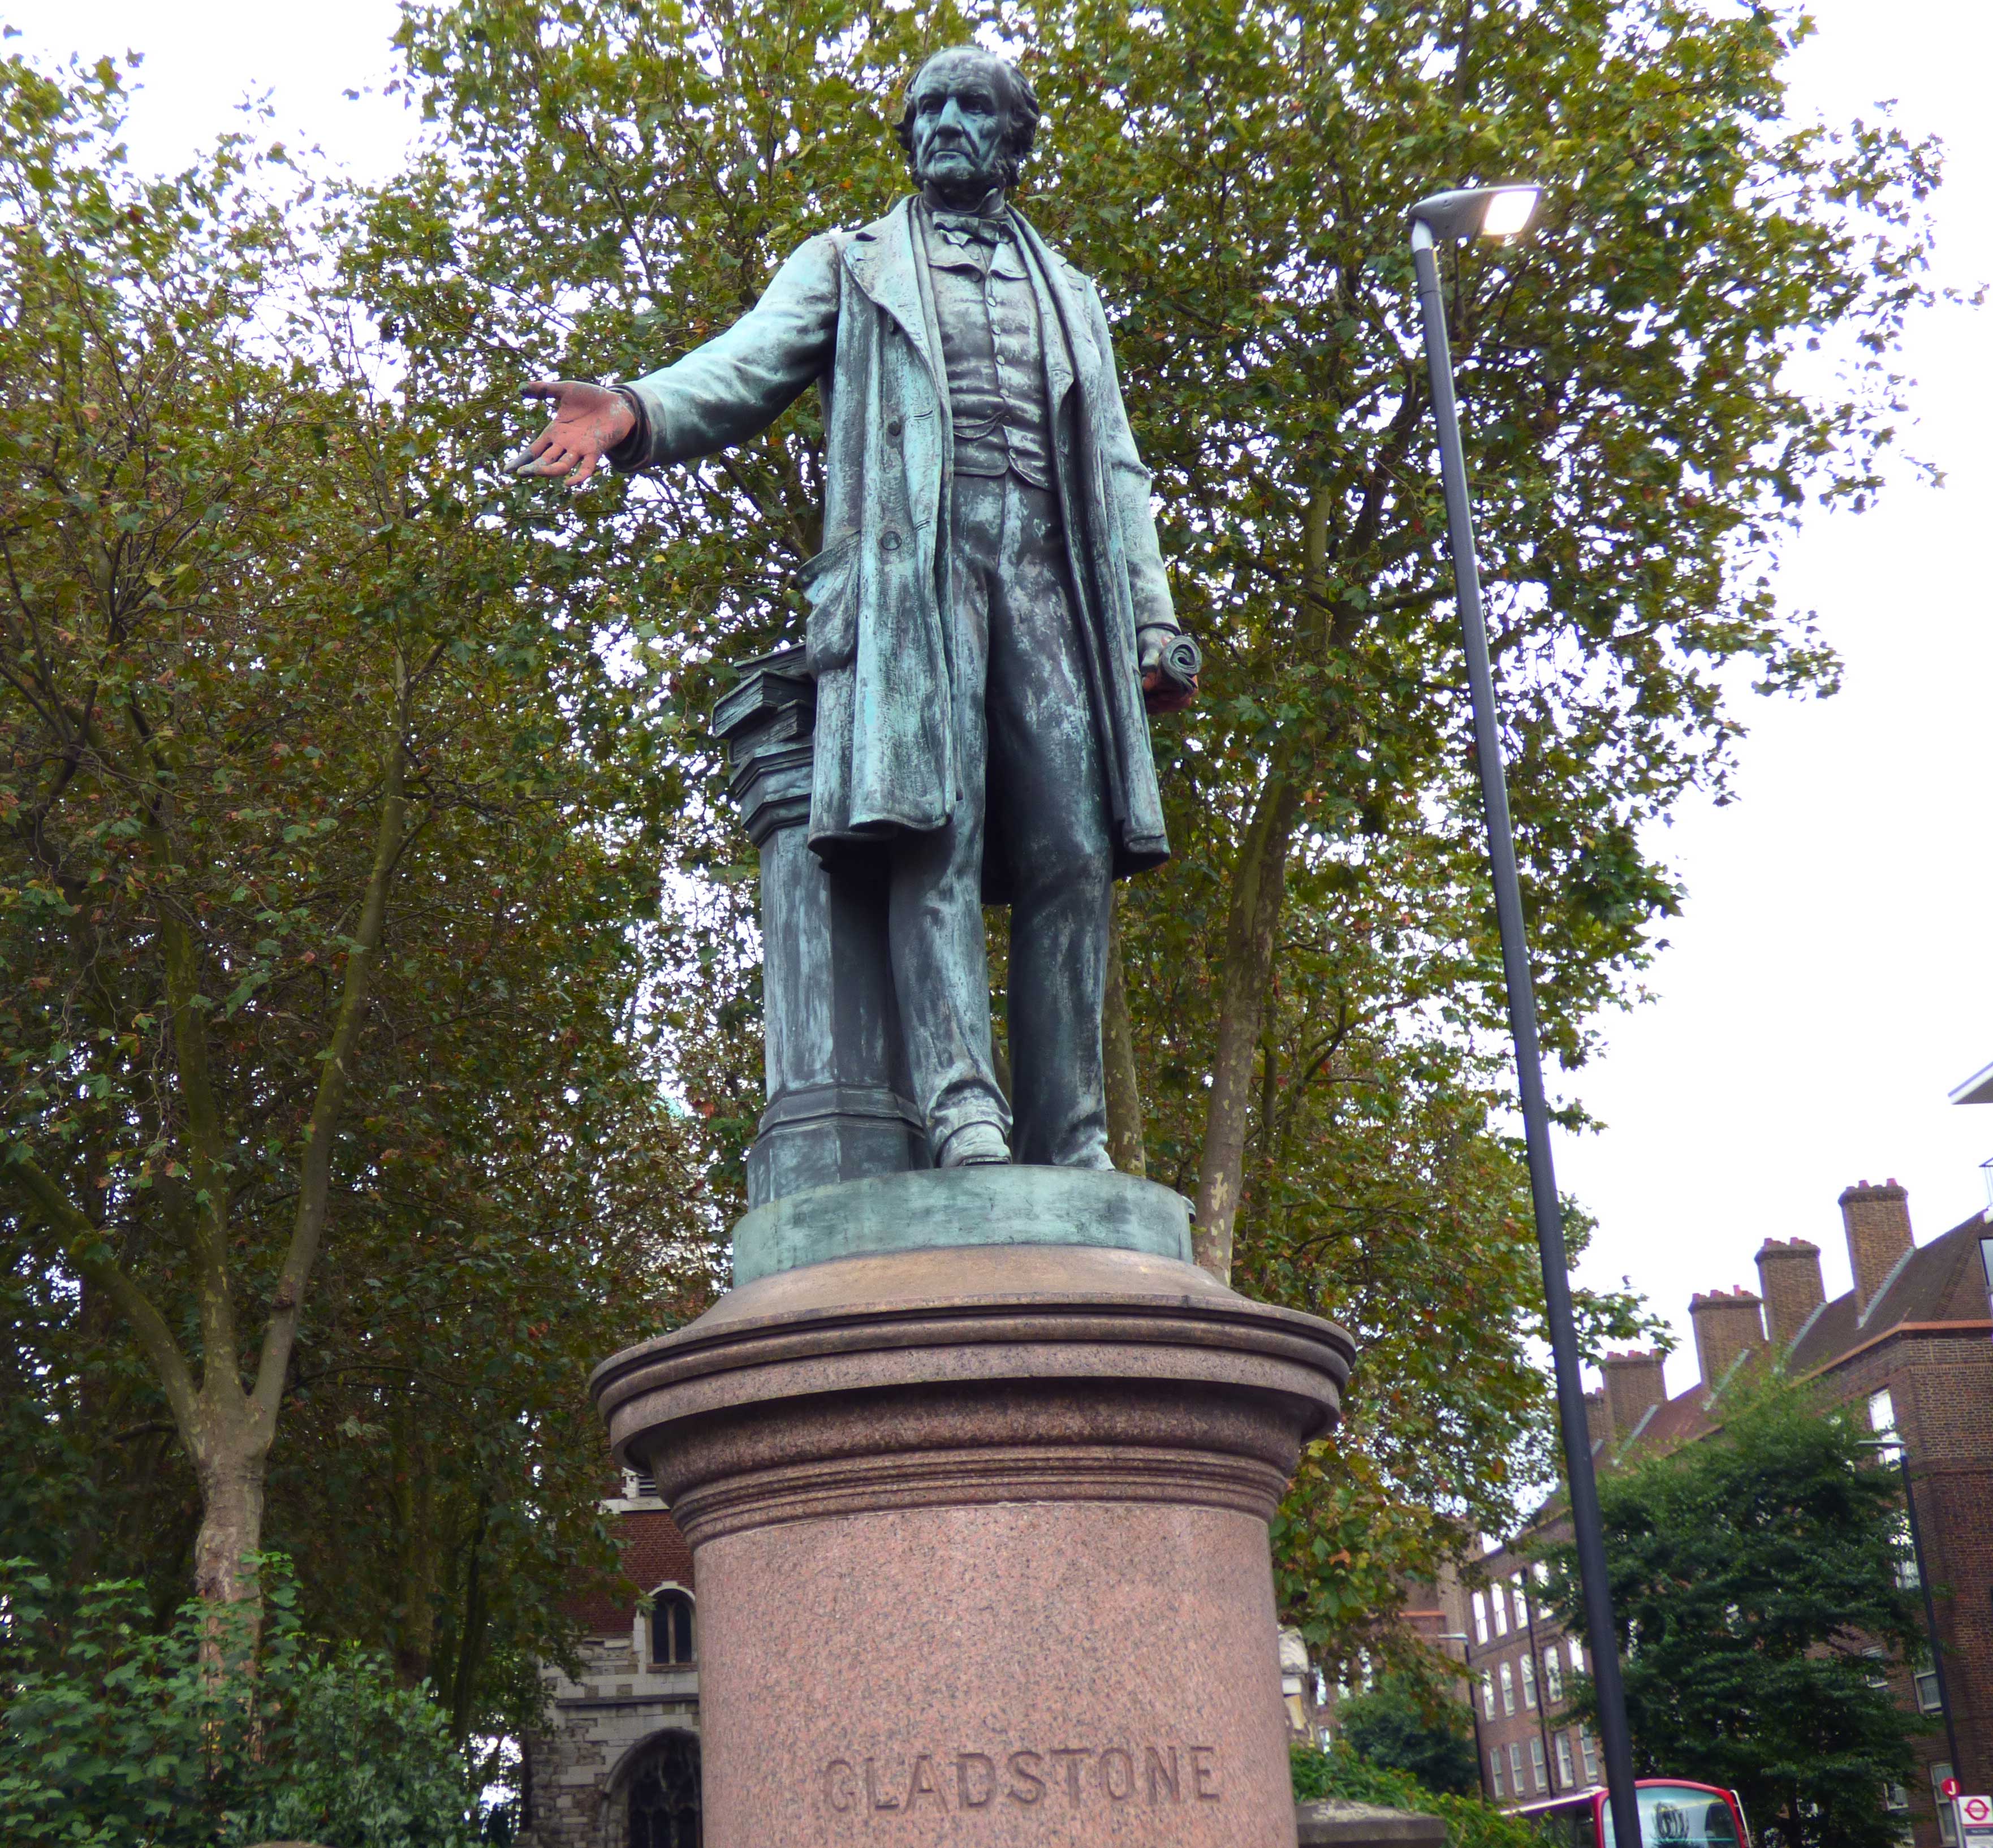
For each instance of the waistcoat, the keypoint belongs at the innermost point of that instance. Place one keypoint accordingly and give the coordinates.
(994, 349)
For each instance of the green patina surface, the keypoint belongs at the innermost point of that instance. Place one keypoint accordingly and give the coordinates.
(996, 1205)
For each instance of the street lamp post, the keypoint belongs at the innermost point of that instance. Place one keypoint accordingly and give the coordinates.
(1473, 1705)
(1506, 211)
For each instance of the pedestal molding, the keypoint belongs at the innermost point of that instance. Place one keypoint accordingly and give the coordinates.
(991, 1512)
(964, 1477)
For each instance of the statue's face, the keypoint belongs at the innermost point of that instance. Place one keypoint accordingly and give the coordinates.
(961, 111)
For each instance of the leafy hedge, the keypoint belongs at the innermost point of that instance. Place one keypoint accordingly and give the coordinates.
(1470, 1823)
(114, 1734)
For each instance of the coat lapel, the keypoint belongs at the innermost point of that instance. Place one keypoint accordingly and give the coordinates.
(1074, 357)
(882, 259)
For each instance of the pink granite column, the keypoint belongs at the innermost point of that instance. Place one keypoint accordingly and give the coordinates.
(982, 1545)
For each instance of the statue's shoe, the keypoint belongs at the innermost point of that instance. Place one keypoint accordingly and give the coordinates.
(975, 1145)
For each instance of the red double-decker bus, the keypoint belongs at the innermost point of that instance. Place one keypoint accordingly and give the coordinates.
(1674, 1813)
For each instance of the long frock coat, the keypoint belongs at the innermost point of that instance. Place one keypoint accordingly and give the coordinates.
(853, 312)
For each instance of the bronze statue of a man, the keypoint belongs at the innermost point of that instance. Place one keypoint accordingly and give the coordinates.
(989, 607)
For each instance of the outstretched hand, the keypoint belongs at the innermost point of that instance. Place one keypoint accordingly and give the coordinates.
(589, 422)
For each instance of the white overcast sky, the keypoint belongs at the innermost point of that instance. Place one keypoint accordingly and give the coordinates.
(1827, 985)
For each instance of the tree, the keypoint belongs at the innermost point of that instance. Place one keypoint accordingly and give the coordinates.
(114, 1736)
(1310, 1015)
(1405, 1726)
(327, 1091)
(1756, 1575)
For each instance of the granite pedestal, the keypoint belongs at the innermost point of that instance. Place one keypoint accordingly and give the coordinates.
(980, 1517)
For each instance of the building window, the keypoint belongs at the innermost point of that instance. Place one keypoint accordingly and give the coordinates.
(664, 1804)
(1924, 1681)
(1907, 1575)
(1495, 1772)
(673, 1632)
(1882, 1413)
(1522, 1604)
(1566, 1778)
(1577, 1655)
(1508, 1690)
(1553, 1676)
(643, 1484)
(1528, 1665)
(1895, 1799)
(1499, 1605)
(1516, 1765)
(1487, 1695)
(1538, 1776)
(1589, 1746)
(1480, 1617)
(1947, 1817)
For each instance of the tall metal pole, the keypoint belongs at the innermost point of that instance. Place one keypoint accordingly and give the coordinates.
(1473, 1699)
(1587, 1524)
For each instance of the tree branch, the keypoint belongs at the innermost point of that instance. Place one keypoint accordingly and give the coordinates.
(86, 1248)
(307, 1225)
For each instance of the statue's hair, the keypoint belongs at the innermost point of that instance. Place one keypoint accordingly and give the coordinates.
(1021, 129)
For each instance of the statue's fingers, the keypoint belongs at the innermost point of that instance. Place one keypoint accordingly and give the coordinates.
(557, 460)
(517, 461)
(590, 463)
(542, 451)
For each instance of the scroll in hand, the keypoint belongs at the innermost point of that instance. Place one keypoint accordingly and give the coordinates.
(1170, 684)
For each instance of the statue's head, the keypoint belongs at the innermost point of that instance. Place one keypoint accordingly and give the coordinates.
(967, 122)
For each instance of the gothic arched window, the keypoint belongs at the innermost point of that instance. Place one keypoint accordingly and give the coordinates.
(663, 1795)
(674, 1633)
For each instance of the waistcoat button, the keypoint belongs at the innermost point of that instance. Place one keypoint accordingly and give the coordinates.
(891, 542)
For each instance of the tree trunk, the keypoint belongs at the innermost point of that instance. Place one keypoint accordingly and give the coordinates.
(414, 1492)
(471, 1631)
(226, 1432)
(231, 1529)
(230, 1459)
(1258, 884)
(1125, 1144)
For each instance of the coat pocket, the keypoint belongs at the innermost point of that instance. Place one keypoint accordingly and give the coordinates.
(830, 585)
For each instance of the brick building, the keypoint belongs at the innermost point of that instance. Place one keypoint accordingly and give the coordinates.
(1911, 1344)
(618, 1764)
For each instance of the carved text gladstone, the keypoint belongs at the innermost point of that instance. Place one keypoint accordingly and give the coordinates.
(1068, 1776)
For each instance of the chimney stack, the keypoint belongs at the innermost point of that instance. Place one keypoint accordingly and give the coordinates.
(1788, 1274)
(1878, 1220)
(1633, 1387)
(1598, 1417)
(1728, 1323)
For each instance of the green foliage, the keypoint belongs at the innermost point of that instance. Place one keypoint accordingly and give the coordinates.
(610, 182)
(1402, 1725)
(1752, 1574)
(114, 1734)
(1342, 1773)
(252, 603)
(258, 557)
